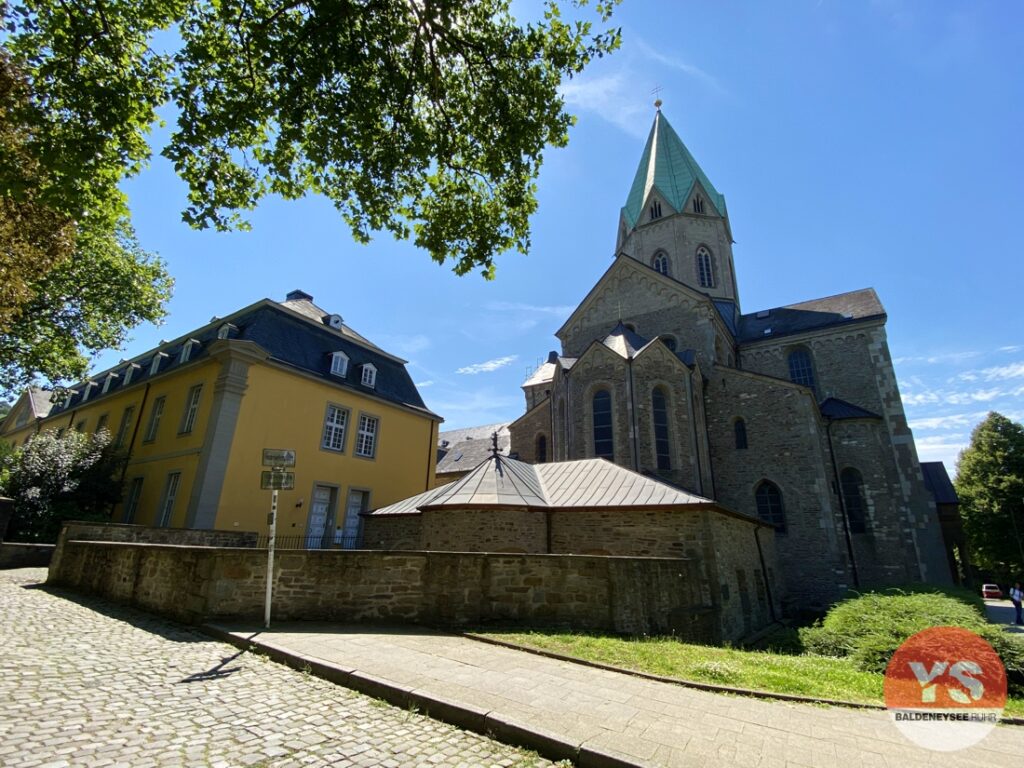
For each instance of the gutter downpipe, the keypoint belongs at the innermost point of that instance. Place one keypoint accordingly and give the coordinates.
(842, 504)
(764, 570)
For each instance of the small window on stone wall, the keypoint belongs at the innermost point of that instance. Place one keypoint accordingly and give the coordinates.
(852, 485)
(769, 505)
(662, 443)
(660, 263)
(801, 371)
(740, 430)
(542, 449)
(705, 268)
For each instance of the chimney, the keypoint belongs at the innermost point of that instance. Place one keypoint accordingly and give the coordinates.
(552, 357)
(298, 295)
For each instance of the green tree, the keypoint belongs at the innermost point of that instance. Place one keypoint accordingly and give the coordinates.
(54, 478)
(990, 484)
(424, 118)
(75, 279)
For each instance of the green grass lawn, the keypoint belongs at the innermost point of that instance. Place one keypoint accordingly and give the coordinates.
(774, 671)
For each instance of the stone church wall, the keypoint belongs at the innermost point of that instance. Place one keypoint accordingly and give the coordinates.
(679, 237)
(785, 446)
(392, 531)
(526, 428)
(600, 369)
(484, 530)
(748, 592)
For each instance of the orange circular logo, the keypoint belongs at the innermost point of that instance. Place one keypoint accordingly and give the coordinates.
(945, 688)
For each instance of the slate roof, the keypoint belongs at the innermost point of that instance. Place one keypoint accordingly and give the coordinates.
(668, 166)
(837, 410)
(466, 448)
(624, 342)
(936, 478)
(810, 315)
(295, 334)
(502, 481)
(545, 372)
(40, 402)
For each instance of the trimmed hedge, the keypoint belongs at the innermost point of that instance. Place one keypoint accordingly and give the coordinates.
(868, 628)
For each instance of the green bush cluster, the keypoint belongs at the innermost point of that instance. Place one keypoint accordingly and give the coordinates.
(868, 628)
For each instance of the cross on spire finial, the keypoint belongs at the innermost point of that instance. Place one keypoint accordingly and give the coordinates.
(657, 97)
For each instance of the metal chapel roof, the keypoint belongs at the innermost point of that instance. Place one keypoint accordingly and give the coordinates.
(668, 166)
(500, 481)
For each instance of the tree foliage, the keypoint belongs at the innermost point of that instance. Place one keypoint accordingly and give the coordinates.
(424, 118)
(54, 478)
(73, 278)
(990, 484)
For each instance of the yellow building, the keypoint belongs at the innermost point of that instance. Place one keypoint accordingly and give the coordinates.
(196, 413)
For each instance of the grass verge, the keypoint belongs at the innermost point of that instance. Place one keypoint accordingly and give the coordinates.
(802, 674)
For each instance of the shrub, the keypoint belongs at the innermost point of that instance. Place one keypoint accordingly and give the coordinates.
(870, 627)
(57, 478)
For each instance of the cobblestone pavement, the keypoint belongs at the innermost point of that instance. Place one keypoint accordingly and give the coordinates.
(84, 682)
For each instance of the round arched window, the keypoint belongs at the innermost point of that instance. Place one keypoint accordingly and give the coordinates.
(660, 262)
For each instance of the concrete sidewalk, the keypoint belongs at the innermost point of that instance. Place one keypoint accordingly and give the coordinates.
(600, 717)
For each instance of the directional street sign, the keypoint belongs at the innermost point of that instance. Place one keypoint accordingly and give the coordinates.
(278, 457)
(277, 481)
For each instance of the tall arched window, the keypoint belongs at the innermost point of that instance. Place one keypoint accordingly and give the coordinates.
(800, 369)
(604, 446)
(705, 269)
(852, 486)
(769, 505)
(659, 413)
(740, 429)
(660, 263)
(542, 449)
(563, 425)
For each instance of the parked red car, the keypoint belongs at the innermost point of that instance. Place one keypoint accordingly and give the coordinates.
(991, 591)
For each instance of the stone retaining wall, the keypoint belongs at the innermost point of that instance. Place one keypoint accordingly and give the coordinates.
(21, 555)
(194, 584)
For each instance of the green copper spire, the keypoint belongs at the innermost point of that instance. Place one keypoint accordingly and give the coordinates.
(667, 165)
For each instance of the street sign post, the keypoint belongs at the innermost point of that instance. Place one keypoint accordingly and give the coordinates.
(275, 480)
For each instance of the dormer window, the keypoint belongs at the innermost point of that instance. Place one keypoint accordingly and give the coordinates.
(335, 322)
(67, 400)
(656, 209)
(369, 378)
(186, 350)
(154, 367)
(339, 364)
(224, 332)
(129, 371)
(109, 381)
(698, 204)
(86, 389)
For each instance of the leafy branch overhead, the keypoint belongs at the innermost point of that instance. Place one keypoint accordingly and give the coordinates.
(425, 118)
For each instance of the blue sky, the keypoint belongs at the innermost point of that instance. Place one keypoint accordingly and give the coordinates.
(858, 144)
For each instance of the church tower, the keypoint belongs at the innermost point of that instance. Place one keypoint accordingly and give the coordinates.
(674, 219)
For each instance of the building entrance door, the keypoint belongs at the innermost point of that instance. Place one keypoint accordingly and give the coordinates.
(321, 516)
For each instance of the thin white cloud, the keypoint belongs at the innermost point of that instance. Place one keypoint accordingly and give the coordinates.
(1002, 372)
(404, 344)
(669, 61)
(422, 384)
(944, 357)
(959, 420)
(513, 306)
(1011, 348)
(612, 97)
(487, 366)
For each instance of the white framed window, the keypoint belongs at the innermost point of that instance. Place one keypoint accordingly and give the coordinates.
(131, 501)
(366, 439)
(126, 423)
(170, 494)
(186, 350)
(335, 423)
(339, 363)
(154, 418)
(154, 367)
(86, 389)
(369, 378)
(224, 332)
(188, 417)
(107, 382)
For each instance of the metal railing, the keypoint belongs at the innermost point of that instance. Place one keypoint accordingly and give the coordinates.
(328, 541)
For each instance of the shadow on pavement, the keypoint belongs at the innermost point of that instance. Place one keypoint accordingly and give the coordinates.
(1001, 612)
